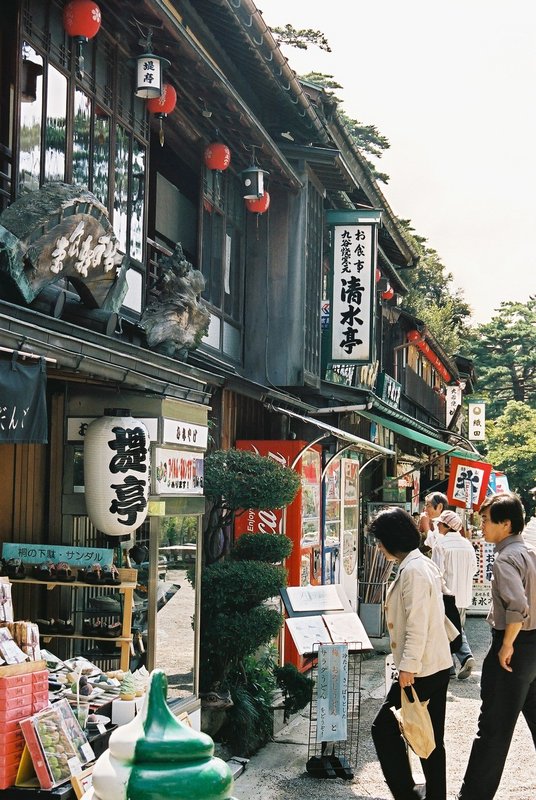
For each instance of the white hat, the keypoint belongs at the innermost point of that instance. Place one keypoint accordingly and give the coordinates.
(450, 519)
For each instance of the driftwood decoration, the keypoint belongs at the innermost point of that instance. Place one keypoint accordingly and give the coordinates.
(177, 319)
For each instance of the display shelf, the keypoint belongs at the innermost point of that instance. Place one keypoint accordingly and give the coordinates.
(123, 642)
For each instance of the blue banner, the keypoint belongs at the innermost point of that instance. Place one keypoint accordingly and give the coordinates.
(56, 553)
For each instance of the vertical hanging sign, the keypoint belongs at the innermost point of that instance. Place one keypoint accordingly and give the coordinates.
(477, 421)
(354, 250)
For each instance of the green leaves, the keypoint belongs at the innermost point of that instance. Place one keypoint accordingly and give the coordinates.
(247, 480)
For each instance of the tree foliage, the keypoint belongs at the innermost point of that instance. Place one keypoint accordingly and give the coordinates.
(431, 296)
(504, 352)
(511, 447)
(236, 480)
(300, 38)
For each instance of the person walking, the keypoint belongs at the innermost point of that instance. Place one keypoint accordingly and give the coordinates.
(415, 617)
(434, 504)
(456, 559)
(508, 683)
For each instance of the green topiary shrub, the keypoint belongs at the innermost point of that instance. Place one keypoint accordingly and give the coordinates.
(273, 547)
(236, 480)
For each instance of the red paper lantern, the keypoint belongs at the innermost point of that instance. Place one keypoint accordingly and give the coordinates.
(217, 156)
(259, 205)
(389, 293)
(378, 275)
(163, 105)
(82, 19)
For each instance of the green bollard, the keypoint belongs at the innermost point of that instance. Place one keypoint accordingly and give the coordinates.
(157, 757)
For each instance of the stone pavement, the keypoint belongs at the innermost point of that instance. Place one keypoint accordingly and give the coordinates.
(277, 772)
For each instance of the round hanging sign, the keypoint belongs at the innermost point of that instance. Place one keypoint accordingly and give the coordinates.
(117, 472)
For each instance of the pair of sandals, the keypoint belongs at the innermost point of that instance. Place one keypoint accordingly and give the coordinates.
(14, 568)
(97, 576)
(51, 626)
(101, 628)
(61, 572)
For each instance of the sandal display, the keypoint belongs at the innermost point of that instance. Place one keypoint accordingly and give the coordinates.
(44, 572)
(15, 569)
(91, 575)
(110, 577)
(64, 572)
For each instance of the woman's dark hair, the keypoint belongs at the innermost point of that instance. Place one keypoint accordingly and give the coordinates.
(505, 506)
(396, 530)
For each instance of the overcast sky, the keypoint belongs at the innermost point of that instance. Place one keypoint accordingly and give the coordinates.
(453, 87)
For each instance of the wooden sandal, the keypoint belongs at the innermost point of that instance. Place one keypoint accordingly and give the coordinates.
(64, 572)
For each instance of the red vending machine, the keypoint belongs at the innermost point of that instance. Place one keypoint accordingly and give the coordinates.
(300, 520)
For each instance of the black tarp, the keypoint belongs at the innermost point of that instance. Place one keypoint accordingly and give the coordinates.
(23, 406)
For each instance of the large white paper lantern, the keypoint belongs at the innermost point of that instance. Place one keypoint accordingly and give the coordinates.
(116, 472)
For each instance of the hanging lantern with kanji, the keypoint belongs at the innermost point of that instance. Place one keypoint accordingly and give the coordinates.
(162, 106)
(258, 205)
(81, 20)
(116, 472)
(217, 156)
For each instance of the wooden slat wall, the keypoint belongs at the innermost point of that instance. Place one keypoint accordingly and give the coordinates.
(242, 418)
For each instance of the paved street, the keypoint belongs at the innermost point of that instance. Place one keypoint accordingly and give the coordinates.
(277, 772)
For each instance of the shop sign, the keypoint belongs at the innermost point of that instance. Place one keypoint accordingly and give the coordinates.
(185, 433)
(23, 406)
(178, 472)
(353, 290)
(477, 421)
(362, 377)
(468, 483)
(324, 315)
(453, 401)
(55, 553)
(332, 693)
(77, 427)
(389, 390)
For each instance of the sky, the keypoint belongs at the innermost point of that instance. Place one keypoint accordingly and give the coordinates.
(452, 86)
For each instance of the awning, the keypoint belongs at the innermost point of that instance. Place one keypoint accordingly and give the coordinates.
(422, 438)
(362, 444)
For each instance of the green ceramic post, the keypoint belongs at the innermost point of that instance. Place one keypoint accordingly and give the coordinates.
(157, 757)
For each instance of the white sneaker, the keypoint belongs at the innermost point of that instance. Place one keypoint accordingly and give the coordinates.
(467, 668)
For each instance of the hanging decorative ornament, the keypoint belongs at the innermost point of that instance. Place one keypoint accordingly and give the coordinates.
(116, 472)
(378, 275)
(162, 106)
(81, 20)
(389, 293)
(259, 205)
(149, 69)
(217, 156)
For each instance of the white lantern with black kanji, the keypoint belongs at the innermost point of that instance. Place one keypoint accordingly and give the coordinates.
(117, 472)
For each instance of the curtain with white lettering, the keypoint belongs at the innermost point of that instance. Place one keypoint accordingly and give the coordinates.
(23, 407)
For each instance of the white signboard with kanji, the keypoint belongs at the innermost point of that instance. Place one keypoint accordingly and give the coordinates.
(477, 421)
(354, 256)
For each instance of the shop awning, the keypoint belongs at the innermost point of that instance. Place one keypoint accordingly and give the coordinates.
(362, 444)
(422, 438)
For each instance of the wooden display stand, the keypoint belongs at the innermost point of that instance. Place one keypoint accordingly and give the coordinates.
(124, 641)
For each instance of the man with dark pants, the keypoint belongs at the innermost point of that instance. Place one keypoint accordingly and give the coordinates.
(508, 684)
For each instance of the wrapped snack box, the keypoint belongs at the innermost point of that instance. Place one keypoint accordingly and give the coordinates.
(57, 744)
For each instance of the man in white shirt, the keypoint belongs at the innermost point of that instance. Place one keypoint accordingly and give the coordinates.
(434, 504)
(456, 558)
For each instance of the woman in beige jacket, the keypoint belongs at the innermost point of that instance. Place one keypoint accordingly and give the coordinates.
(415, 617)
